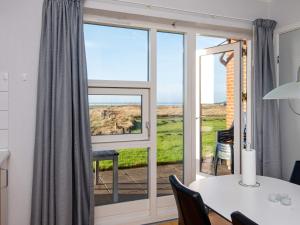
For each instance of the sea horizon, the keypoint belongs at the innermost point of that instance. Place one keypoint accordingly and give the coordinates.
(123, 104)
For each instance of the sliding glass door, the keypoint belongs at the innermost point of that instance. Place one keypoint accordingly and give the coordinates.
(136, 96)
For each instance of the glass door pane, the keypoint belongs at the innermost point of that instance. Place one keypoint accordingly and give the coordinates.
(115, 114)
(116, 53)
(170, 148)
(217, 117)
(131, 181)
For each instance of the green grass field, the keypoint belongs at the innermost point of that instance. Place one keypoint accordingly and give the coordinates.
(169, 143)
(210, 125)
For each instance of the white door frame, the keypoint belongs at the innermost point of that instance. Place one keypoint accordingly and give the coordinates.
(156, 208)
(237, 49)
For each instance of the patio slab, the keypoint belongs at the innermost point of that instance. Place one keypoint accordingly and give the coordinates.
(133, 182)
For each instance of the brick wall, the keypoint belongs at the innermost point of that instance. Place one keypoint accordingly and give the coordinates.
(230, 91)
(230, 88)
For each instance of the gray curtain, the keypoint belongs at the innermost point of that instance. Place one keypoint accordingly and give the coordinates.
(266, 115)
(62, 183)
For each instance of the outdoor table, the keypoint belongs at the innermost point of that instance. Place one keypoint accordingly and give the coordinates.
(108, 155)
(224, 195)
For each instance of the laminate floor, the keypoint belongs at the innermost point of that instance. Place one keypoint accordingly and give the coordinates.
(214, 219)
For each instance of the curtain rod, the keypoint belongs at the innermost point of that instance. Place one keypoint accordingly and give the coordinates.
(152, 6)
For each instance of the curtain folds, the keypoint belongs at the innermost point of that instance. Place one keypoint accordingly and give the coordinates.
(265, 112)
(62, 192)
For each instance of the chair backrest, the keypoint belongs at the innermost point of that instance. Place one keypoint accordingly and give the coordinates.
(225, 136)
(295, 177)
(240, 219)
(191, 209)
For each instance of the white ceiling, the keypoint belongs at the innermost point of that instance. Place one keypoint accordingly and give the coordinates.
(263, 0)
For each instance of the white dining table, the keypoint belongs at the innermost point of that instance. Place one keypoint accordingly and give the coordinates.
(224, 195)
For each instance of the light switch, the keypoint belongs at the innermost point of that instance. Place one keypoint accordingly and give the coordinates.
(24, 76)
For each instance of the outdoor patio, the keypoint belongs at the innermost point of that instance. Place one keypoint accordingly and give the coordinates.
(133, 182)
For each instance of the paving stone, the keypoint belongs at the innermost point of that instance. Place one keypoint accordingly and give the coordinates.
(133, 182)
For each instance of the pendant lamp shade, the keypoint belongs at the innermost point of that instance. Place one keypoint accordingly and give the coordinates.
(286, 91)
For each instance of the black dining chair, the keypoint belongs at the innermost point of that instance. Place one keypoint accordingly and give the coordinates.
(240, 219)
(190, 206)
(295, 177)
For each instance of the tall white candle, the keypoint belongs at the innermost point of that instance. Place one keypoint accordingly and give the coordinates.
(249, 166)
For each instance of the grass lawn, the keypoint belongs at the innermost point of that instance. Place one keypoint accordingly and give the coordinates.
(210, 125)
(169, 143)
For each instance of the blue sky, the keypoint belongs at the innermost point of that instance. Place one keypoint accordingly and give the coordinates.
(220, 70)
(115, 53)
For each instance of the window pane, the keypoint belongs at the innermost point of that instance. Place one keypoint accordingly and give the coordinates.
(115, 114)
(115, 53)
(217, 112)
(170, 49)
(132, 180)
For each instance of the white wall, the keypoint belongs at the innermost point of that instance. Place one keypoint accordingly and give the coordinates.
(242, 11)
(289, 50)
(20, 23)
(19, 45)
(246, 9)
(285, 12)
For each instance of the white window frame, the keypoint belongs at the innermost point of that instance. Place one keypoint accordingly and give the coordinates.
(157, 208)
(144, 135)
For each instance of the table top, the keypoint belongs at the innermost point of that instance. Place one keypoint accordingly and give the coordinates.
(224, 195)
(104, 154)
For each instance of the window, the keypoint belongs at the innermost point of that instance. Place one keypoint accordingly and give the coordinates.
(117, 62)
(118, 114)
(108, 115)
(144, 104)
(123, 97)
(220, 106)
(119, 57)
(116, 53)
(169, 109)
(132, 181)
